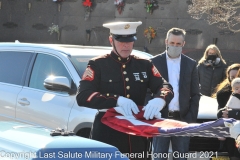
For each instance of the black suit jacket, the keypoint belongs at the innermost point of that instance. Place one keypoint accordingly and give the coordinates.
(188, 86)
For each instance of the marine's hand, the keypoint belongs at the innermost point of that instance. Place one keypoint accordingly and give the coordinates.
(158, 116)
(153, 108)
(128, 105)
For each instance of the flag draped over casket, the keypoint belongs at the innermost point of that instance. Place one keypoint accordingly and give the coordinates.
(138, 125)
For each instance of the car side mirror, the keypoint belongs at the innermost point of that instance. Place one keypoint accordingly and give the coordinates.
(59, 83)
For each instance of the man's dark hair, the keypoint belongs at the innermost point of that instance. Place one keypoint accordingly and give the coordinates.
(177, 32)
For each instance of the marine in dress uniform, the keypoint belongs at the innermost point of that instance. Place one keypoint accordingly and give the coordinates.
(112, 80)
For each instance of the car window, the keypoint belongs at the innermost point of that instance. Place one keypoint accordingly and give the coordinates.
(80, 63)
(13, 66)
(45, 66)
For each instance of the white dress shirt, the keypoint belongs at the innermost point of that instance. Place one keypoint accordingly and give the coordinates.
(173, 66)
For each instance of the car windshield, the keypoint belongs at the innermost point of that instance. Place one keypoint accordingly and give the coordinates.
(80, 63)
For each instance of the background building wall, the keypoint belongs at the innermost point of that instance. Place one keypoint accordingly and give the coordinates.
(19, 22)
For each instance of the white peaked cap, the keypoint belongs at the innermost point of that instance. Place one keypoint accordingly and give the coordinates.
(122, 28)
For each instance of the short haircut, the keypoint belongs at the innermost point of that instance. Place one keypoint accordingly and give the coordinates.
(177, 32)
(235, 81)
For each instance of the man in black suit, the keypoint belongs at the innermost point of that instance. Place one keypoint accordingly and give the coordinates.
(181, 72)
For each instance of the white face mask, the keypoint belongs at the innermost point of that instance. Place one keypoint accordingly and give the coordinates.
(174, 51)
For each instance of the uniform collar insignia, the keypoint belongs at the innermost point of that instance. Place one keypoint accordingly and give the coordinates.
(120, 59)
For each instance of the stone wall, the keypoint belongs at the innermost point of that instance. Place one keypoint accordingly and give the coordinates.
(28, 21)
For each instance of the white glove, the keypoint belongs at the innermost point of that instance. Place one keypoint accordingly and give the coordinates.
(235, 130)
(153, 108)
(128, 105)
(121, 111)
(158, 116)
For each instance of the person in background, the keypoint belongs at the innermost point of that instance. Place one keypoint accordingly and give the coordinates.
(211, 70)
(223, 92)
(181, 72)
(234, 100)
(234, 133)
(121, 79)
(232, 108)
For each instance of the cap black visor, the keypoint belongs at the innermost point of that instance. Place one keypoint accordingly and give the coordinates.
(125, 38)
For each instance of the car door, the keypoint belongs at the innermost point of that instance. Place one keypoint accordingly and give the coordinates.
(41, 106)
(13, 68)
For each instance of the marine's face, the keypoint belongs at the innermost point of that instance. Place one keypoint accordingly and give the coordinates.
(124, 49)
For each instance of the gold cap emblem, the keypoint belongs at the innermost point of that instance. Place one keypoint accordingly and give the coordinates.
(126, 26)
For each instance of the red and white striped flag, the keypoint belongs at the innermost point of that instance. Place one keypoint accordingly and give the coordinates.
(138, 125)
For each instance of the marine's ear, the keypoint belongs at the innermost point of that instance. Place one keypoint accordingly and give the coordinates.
(110, 40)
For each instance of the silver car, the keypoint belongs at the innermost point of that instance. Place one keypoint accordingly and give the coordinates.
(38, 84)
(20, 141)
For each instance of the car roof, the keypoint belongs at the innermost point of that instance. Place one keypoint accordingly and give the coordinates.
(35, 142)
(73, 50)
(14, 134)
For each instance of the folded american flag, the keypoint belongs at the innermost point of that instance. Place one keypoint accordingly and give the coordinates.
(138, 125)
